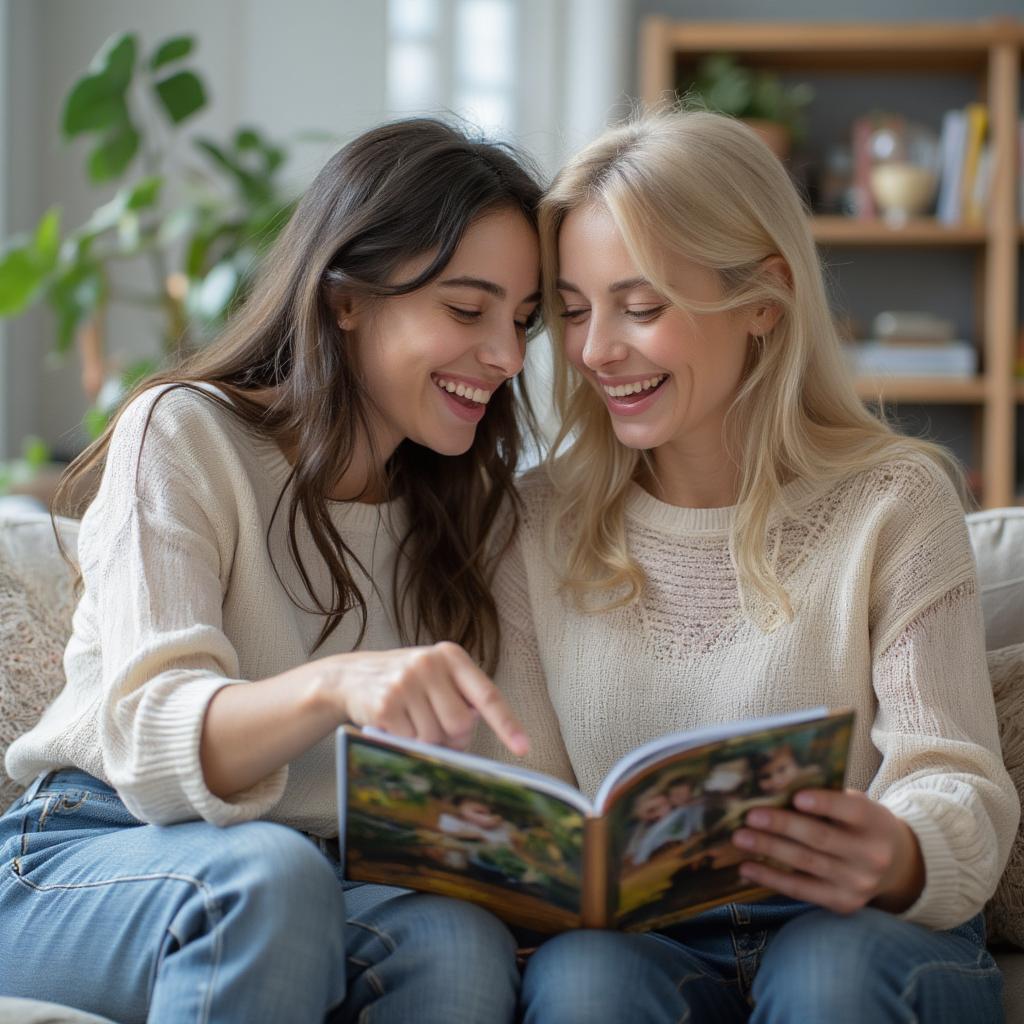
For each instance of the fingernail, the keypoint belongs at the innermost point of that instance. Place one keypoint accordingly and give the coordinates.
(758, 818)
(805, 801)
(743, 839)
(520, 743)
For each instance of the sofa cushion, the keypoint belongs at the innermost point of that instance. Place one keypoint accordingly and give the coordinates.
(1005, 911)
(36, 605)
(997, 537)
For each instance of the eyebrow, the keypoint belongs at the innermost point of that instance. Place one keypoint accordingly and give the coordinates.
(618, 286)
(485, 286)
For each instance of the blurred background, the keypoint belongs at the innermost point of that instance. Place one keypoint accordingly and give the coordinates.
(151, 150)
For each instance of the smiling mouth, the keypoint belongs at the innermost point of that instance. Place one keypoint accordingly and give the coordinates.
(640, 389)
(464, 394)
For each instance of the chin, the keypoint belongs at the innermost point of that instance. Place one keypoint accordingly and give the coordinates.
(639, 438)
(450, 446)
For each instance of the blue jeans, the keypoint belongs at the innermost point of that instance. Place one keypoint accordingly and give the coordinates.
(192, 922)
(776, 961)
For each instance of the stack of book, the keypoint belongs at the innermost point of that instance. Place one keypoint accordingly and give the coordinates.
(912, 344)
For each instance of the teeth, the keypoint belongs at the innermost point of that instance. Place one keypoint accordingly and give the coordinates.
(622, 390)
(477, 395)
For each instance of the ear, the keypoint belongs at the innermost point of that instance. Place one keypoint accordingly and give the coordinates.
(346, 311)
(764, 317)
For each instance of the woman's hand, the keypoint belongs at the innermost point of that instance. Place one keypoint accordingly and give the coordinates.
(845, 851)
(430, 693)
(434, 694)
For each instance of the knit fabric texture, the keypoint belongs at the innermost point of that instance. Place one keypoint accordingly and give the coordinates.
(887, 621)
(181, 598)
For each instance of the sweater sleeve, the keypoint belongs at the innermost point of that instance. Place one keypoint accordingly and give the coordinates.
(154, 550)
(520, 676)
(942, 771)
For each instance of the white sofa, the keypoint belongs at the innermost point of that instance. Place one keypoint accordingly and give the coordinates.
(35, 610)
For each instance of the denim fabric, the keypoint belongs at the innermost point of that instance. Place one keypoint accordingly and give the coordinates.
(775, 961)
(192, 922)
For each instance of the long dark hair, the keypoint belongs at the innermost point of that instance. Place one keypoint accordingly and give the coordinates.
(400, 190)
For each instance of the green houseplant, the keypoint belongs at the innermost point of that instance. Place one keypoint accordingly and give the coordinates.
(725, 86)
(195, 212)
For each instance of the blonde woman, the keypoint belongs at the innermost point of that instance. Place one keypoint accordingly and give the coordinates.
(724, 531)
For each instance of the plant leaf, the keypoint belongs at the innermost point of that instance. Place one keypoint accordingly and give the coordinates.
(96, 421)
(76, 292)
(181, 95)
(35, 451)
(111, 158)
(97, 100)
(116, 60)
(144, 193)
(171, 50)
(20, 280)
(47, 239)
(94, 104)
(248, 138)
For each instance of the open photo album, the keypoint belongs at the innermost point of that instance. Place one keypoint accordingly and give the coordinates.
(653, 847)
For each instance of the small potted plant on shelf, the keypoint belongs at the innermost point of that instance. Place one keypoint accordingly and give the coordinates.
(760, 98)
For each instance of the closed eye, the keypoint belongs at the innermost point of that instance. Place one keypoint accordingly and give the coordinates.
(575, 314)
(466, 316)
(649, 313)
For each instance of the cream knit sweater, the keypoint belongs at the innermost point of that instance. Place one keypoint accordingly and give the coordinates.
(180, 600)
(887, 620)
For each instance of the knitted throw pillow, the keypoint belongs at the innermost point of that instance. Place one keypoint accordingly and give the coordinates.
(36, 605)
(1005, 911)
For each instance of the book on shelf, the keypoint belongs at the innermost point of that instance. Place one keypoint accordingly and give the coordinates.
(952, 144)
(948, 359)
(654, 846)
(977, 126)
(965, 166)
(895, 327)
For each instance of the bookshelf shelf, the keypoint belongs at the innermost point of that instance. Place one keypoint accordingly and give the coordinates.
(989, 51)
(924, 390)
(925, 231)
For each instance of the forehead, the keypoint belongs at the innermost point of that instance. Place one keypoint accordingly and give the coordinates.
(590, 230)
(501, 246)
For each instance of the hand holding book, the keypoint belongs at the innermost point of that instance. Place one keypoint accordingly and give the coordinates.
(843, 850)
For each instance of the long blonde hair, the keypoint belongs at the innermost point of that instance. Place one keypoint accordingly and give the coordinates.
(704, 187)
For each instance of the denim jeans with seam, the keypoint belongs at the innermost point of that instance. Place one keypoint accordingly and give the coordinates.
(192, 922)
(768, 963)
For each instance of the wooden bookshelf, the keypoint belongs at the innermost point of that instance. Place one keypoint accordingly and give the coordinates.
(835, 230)
(990, 51)
(937, 390)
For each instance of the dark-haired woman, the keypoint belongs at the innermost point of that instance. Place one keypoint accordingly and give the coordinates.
(279, 533)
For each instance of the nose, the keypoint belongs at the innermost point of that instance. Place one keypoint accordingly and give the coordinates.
(504, 352)
(600, 348)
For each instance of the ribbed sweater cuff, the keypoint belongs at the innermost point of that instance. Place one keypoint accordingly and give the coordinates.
(941, 894)
(165, 783)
